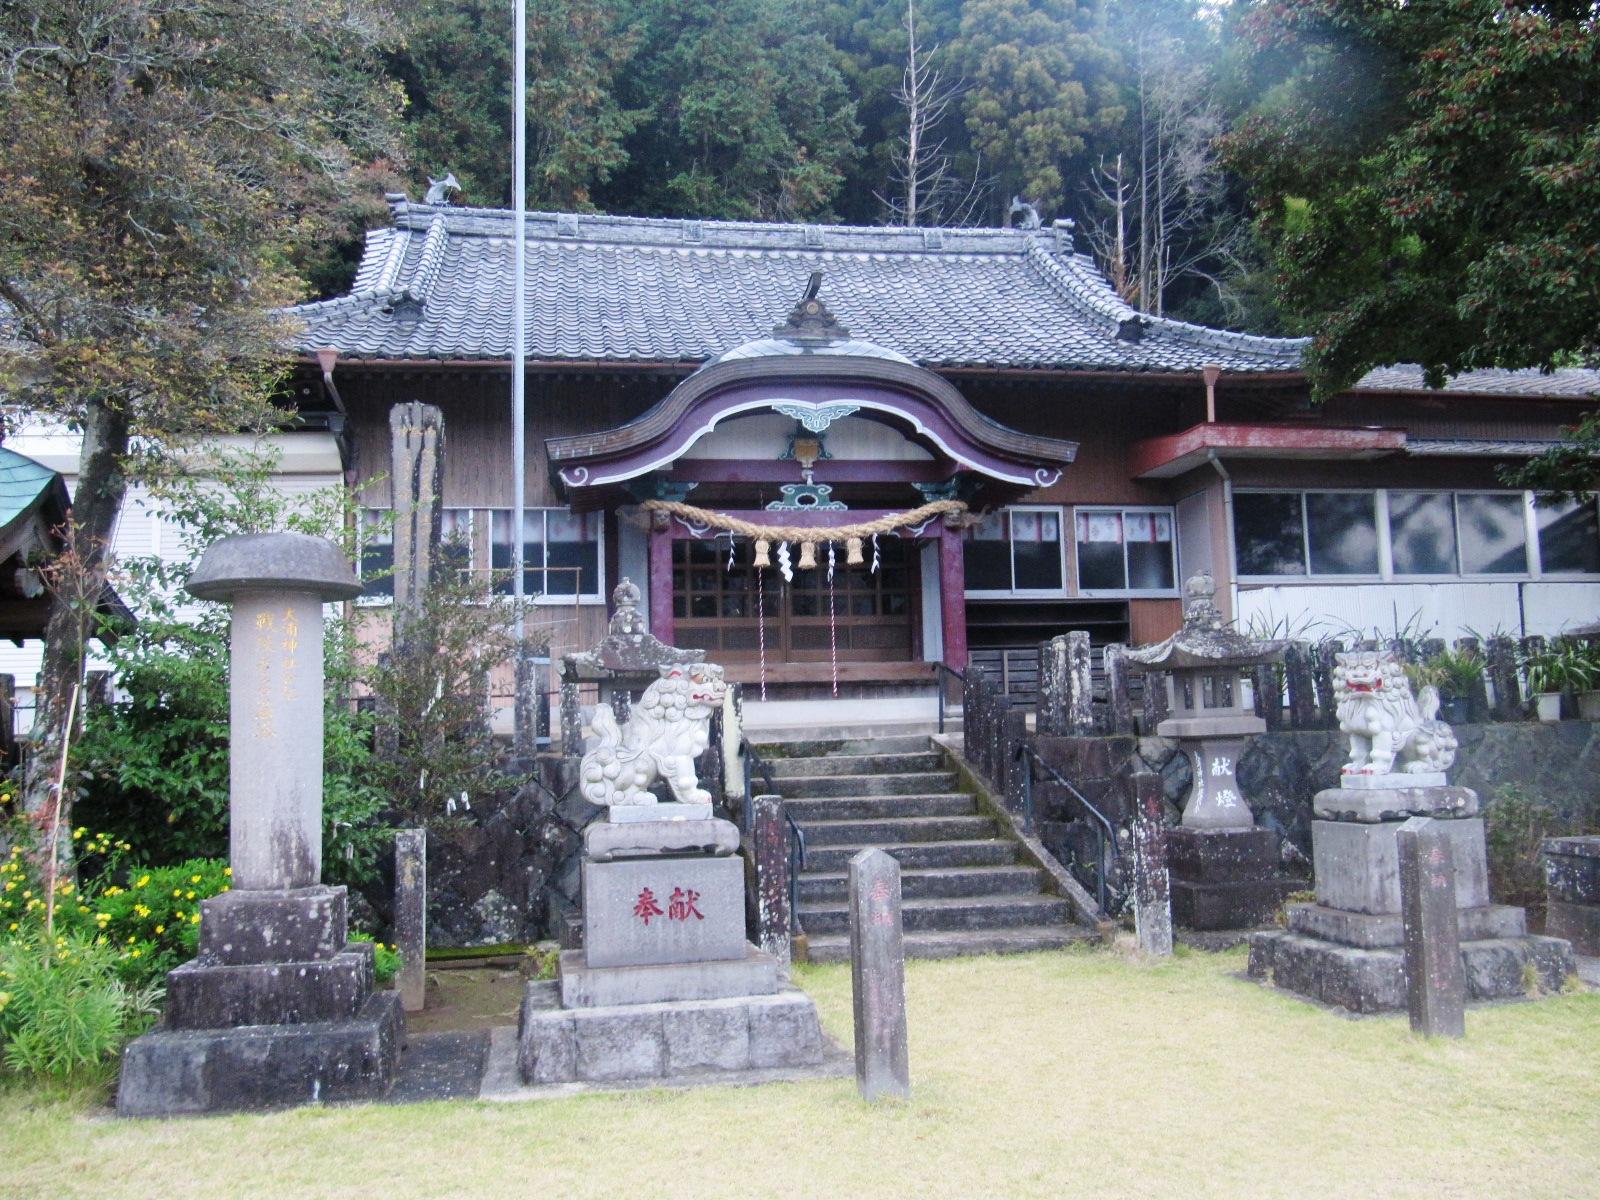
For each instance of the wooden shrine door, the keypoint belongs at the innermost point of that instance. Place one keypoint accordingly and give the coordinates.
(715, 606)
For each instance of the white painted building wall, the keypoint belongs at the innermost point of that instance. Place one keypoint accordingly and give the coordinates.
(1450, 609)
(306, 463)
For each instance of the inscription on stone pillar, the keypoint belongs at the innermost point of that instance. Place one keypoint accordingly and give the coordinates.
(1436, 985)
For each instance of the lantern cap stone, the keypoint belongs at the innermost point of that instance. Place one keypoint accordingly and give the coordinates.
(1207, 641)
(292, 562)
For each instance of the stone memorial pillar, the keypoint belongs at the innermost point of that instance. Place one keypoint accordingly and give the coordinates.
(411, 915)
(1349, 946)
(1436, 986)
(878, 978)
(1152, 893)
(278, 1007)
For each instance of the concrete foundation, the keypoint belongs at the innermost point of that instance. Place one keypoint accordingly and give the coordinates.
(1374, 981)
(646, 1042)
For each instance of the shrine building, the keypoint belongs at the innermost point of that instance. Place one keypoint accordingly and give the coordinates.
(1020, 452)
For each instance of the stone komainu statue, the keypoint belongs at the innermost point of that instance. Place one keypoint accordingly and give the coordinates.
(1390, 730)
(669, 729)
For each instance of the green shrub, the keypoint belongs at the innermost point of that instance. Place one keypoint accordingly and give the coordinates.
(150, 921)
(1515, 823)
(386, 959)
(67, 1014)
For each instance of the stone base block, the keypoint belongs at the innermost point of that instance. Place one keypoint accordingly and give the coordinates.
(169, 1072)
(201, 996)
(1572, 869)
(1222, 855)
(620, 814)
(1371, 931)
(1358, 865)
(583, 986)
(649, 911)
(1373, 981)
(303, 925)
(1392, 798)
(646, 1042)
(1578, 923)
(1236, 904)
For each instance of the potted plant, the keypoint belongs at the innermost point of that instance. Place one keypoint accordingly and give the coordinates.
(1455, 675)
(1552, 672)
(1589, 693)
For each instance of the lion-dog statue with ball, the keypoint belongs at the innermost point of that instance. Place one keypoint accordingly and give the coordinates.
(670, 727)
(1391, 732)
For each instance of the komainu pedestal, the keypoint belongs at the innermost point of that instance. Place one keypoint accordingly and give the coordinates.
(1346, 948)
(665, 985)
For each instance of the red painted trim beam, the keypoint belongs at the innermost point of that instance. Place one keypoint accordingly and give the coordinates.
(1175, 453)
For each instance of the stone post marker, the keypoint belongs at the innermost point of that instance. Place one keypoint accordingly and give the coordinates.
(411, 915)
(1152, 894)
(1436, 982)
(878, 977)
(769, 835)
(277, 1007)
(278, 583)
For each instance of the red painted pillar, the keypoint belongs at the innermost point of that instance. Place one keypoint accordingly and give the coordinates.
(953, 598)
(661, 623)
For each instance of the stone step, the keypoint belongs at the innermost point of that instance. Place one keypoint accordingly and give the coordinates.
(877, 831)
(835, 947)
(910, 743)
(957, 912)
(912, 782)
(930, 882)
(992, 852)
(946, 804)
(855, 764)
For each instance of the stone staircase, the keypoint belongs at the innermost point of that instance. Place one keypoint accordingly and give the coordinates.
(966, 888)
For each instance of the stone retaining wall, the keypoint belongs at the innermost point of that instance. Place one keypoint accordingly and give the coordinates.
(1557, 764)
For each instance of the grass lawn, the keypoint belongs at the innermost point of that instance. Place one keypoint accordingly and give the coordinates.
(1074, 1074)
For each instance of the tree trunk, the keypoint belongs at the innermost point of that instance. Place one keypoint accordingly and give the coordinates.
(96, 502)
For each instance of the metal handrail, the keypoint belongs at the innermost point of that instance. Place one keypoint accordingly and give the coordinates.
(940, 670)
(1105, 832)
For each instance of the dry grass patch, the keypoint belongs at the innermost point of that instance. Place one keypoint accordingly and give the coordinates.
(1074, 1073)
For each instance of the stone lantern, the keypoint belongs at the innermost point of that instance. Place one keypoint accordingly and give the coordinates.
(1224, 870)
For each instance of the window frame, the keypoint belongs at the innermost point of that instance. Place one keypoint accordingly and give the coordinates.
(480, 540)
(1014, 592)
(1533, 568)
(598, 596)
(1127, 593)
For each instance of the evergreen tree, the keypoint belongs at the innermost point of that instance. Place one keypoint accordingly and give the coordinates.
(1041, 86)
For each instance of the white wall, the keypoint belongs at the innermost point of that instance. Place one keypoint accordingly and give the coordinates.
(1516, 608)
(307, 462)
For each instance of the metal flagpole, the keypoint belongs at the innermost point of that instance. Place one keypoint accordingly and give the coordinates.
(519, 209)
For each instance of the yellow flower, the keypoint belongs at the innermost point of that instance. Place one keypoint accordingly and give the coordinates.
(26, 893)
(194, 879)
(14, 927)
(5, 999)
(188, 895)
(11, 885)
(77, 834)
(195, 920)
(227, 870)
(177, 894)
(135, 953)
(131, 939)
(161, 928)
(178, 914)
(143, 881)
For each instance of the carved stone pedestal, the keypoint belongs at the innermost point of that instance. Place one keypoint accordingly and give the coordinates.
(665, 986)
(1226, 878)
(1346, 948)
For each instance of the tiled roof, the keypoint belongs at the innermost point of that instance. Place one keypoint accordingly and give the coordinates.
(1478, 447)
(437, 285)
(1568, 383)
